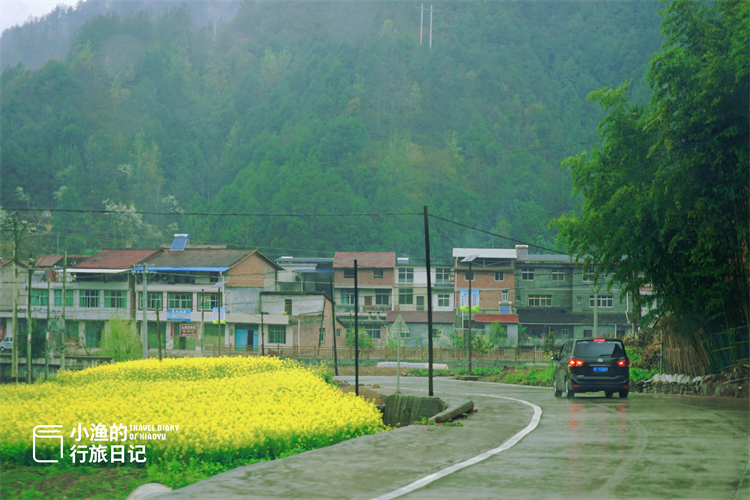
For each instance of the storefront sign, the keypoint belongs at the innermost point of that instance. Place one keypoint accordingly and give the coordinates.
(188, 329)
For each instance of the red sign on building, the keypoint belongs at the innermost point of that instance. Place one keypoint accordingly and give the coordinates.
(188, 329)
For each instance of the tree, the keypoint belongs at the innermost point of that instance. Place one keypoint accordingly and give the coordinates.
(364, 340)
(120, 340)
(665, 191)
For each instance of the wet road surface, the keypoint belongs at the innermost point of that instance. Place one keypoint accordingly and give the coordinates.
(645, 446)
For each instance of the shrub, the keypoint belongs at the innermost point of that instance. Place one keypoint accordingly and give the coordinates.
(120, 340)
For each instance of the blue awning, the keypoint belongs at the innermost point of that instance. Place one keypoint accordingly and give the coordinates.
(139, 269)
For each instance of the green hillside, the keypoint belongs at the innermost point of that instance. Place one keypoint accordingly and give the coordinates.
(318, 108)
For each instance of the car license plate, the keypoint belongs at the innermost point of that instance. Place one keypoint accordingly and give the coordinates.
(600, 368)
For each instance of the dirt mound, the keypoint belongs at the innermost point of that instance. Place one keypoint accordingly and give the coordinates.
(368, 394)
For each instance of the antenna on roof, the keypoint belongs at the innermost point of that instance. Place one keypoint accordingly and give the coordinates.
(179, 243)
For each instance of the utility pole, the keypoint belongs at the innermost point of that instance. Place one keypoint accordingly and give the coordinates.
(431, 28)
(203, 324)
(158, 333)
(28, 326)
(17, 231)
(356, 331)
(46, 340)
(429, 300)
(471, 276)
(144, 325)
(421, 22)
(64, 299)
(333, 318)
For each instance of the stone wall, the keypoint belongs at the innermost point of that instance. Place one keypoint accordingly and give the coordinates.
(732, 384)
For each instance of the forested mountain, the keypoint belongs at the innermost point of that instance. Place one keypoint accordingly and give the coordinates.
(318, 108)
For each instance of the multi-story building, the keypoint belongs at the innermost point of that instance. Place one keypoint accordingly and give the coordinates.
(375, 281)
(555, 295)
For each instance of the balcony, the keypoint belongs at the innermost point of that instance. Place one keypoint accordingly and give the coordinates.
(290, 286)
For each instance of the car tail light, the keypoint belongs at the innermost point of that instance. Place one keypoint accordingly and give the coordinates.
(623, 362)
(575, 362)
(598, 340)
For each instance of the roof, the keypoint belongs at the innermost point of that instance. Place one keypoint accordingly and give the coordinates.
(167, 246)
(441, 317)
(4, 263)
(496, 318)
(551, 257)
(57, 260)
(115, 259)
(213, 258)
(559, 316)
(486, 253)
(376, 260)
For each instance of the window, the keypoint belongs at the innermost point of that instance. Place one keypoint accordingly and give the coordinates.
(349, 273)
(338, 332)
(377, 273)
(540, 300)
(180, 301)
(277, 334)
(603, 301)
(565, 332)
(558, 275)
(469, 276)
(435, 333)
(406, 275)
(406, 296)
(68, 298)
(373, 331)
(347, 296)
(587, 333)
(322, 336)
(505, 295)
(154, 300)
(382, 297)
(210, 300)
(89, 298)
(420, 302)
(499, 276)
(444, 299)
(578, 300)
(588, 276)
(288, 307)
(213, 278)
(527, 275)
(114, 299)
(443, 275)
(504, 308)
(39, 297)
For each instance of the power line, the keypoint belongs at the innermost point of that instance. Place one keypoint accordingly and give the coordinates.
(213, 214)
(496, 235)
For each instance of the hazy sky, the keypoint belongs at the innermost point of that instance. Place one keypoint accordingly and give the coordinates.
(14, 12)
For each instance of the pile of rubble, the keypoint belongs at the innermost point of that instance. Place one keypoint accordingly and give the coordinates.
(733, 383)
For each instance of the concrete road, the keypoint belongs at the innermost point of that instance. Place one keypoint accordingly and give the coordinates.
(645, 446)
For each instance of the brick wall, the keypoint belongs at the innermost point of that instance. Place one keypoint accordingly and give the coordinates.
(251, 271)
(309, 329)
(364, 278)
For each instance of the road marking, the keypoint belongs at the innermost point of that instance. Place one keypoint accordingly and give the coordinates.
(474, 460)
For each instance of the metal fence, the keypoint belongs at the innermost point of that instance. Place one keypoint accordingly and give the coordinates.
(380, 353)
(725, 349)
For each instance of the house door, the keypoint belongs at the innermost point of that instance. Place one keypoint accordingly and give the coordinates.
(240, 338)
(420, 303)
(368, 301)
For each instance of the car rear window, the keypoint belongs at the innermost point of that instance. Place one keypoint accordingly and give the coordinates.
(597, 349)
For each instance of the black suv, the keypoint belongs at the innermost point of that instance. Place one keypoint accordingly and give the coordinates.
(591, 365)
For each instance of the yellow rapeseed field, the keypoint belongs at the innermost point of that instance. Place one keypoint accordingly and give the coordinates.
(220, 409)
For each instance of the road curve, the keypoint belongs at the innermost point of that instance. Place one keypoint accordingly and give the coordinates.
(591, 447)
